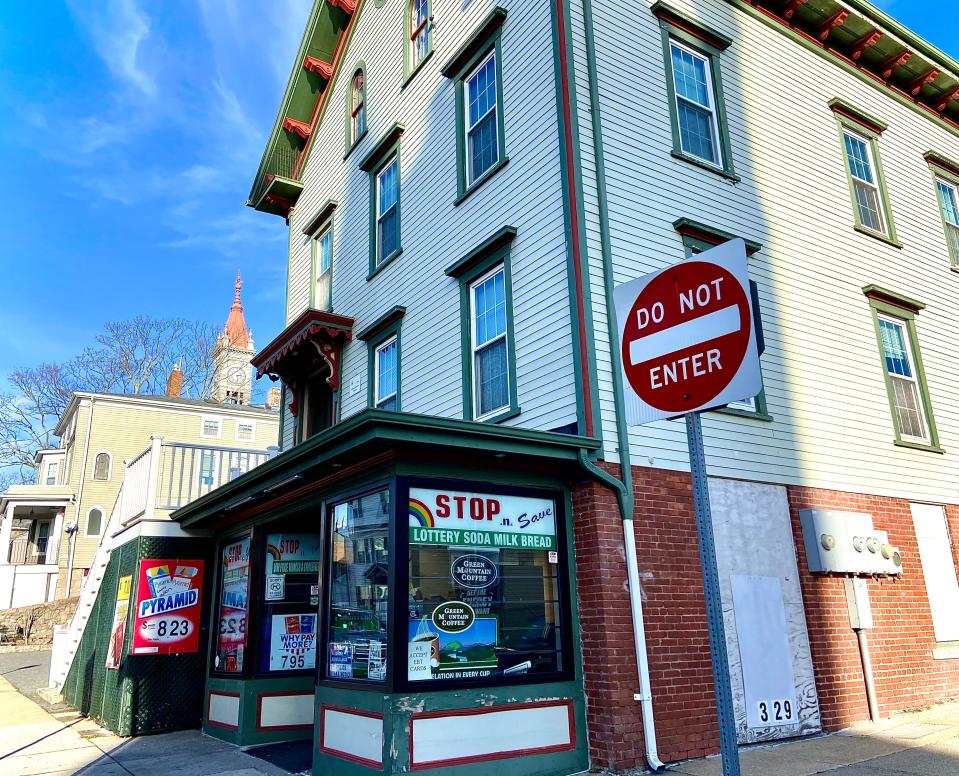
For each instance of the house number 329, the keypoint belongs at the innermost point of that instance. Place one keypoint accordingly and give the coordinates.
(775, 712)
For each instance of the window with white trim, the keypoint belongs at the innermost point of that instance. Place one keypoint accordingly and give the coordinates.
(388, 209)
(861, 163)
(357, 106)
(482, 124)
(387, 377)
(94, 522)
(695, 103)
(900, 366)
(324, 268)
(245, 431)
(101, 467)
(210, 428)
(52, 471)
(949, 203)
(488, 344)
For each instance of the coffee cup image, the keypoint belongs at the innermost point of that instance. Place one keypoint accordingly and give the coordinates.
(434, 642)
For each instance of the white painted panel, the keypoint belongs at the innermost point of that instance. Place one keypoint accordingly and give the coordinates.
(224, 709)
(353, 734)
(475, 735)
(285, 710)
(938, 568)
(754, 538)
(769, 683)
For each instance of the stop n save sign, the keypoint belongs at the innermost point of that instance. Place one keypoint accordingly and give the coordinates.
(686, 336)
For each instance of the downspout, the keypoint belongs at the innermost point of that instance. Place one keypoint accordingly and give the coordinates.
(624, 487)
(79, 502)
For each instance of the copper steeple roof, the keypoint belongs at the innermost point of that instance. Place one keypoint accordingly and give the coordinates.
(236, 329)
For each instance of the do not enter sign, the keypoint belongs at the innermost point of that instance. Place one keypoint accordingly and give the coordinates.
(687, 339)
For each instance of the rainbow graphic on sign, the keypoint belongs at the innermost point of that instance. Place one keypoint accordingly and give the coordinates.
(420, 515)
(274, 551)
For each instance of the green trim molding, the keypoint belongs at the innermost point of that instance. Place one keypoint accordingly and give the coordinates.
(388, 325)
(944, 170)
(871, 136)
(867, 123)
(409, 72)
(486, 38)
(710, 44)
(387, 147)
(492, 252)
(904, 309)
(319, 220)
(943, 164)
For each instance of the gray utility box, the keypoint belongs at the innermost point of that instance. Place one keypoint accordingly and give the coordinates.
(846, 543)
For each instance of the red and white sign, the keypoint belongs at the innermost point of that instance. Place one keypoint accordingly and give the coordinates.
(686, 336)
(168, 607)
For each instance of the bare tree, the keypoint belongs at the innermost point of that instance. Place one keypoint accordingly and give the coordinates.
(134, 356)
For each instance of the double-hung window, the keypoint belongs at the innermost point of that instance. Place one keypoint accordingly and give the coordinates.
(419, 33)
(52, 468)
(388, 210)
(488, 344)
(477, 72)
(323, 248)
(386, 378)
(357, 106)
(695, 103)
(909, 401)
(694, 89)
(949, 205)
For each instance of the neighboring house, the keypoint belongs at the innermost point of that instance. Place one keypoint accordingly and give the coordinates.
(464, 184)
(51, 529)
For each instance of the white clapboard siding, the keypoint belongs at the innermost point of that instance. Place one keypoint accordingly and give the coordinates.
(526, 194)
(822, 369)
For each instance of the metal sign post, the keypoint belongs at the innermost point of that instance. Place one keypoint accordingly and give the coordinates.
(728, 746)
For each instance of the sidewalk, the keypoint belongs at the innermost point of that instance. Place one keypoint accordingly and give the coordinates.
(923, 743)
(33, 742)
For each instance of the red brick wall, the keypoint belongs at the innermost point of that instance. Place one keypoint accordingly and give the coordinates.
(680, 671)
(901, 643)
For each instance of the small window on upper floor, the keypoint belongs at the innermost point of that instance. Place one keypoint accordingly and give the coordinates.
(101, 467)
(245, 431)
(52, 470)
(490, 361)
(482, 142)
(357, 106)
(388, 210)
(948, 194)
(387, 375)
(323, 263)
(210, 428)
(94, 522)
(420, 39)
(695, 103)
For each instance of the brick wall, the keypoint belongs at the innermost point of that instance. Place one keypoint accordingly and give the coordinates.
(680, 671)
(901, 643)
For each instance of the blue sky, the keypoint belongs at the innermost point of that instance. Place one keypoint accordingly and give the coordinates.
(130, 135)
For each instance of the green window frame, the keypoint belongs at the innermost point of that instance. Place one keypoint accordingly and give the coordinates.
(859, 141)
(484, 263)
(418, 39)
(379, 334)
(891, 310)
(356, 109)
(945, 181)
(686, 42)
(478, 60)
(378, 163)
(697, 238)
(320, 231)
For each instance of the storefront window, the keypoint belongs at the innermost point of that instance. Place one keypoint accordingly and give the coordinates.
(484, 592)
(359, 597)
(234, 603)
(290, 601)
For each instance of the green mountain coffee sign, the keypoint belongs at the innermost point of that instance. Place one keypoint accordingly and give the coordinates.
(453, 616)
(481, 520)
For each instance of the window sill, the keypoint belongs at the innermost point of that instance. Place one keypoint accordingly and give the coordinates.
(919, 446)
(946, 650)
(506, 414)
(877, 235)
(684, 157)
(385, 263)
(356, 142)
(415, 70)
(480, 181)
(745, 414)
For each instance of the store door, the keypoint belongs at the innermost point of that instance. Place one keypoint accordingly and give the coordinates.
(774, 690)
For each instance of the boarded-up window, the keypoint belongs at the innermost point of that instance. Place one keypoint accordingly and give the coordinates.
(935, 553)
(101, 467)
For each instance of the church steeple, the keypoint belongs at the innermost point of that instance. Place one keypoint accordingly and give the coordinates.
(232, 373)
(235, 324)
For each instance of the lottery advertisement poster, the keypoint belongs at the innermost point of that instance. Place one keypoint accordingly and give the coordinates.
(119, 628)
(292, 642)
(169, 595)
(234, 591)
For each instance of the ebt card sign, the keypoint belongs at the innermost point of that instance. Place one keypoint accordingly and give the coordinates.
(481, 520)
(168, 607)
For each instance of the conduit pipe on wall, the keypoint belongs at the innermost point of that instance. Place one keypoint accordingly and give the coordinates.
(867, 674)
(624, 487)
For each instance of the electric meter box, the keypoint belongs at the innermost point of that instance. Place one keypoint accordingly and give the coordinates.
(846, 543)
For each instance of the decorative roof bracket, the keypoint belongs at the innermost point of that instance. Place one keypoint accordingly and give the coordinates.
(867, 40)
(947, 97)
(315, 65)
(791, 7)
(831, 23)
(349, 6)
(300, 128)
(896, 60)
(915, 86)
